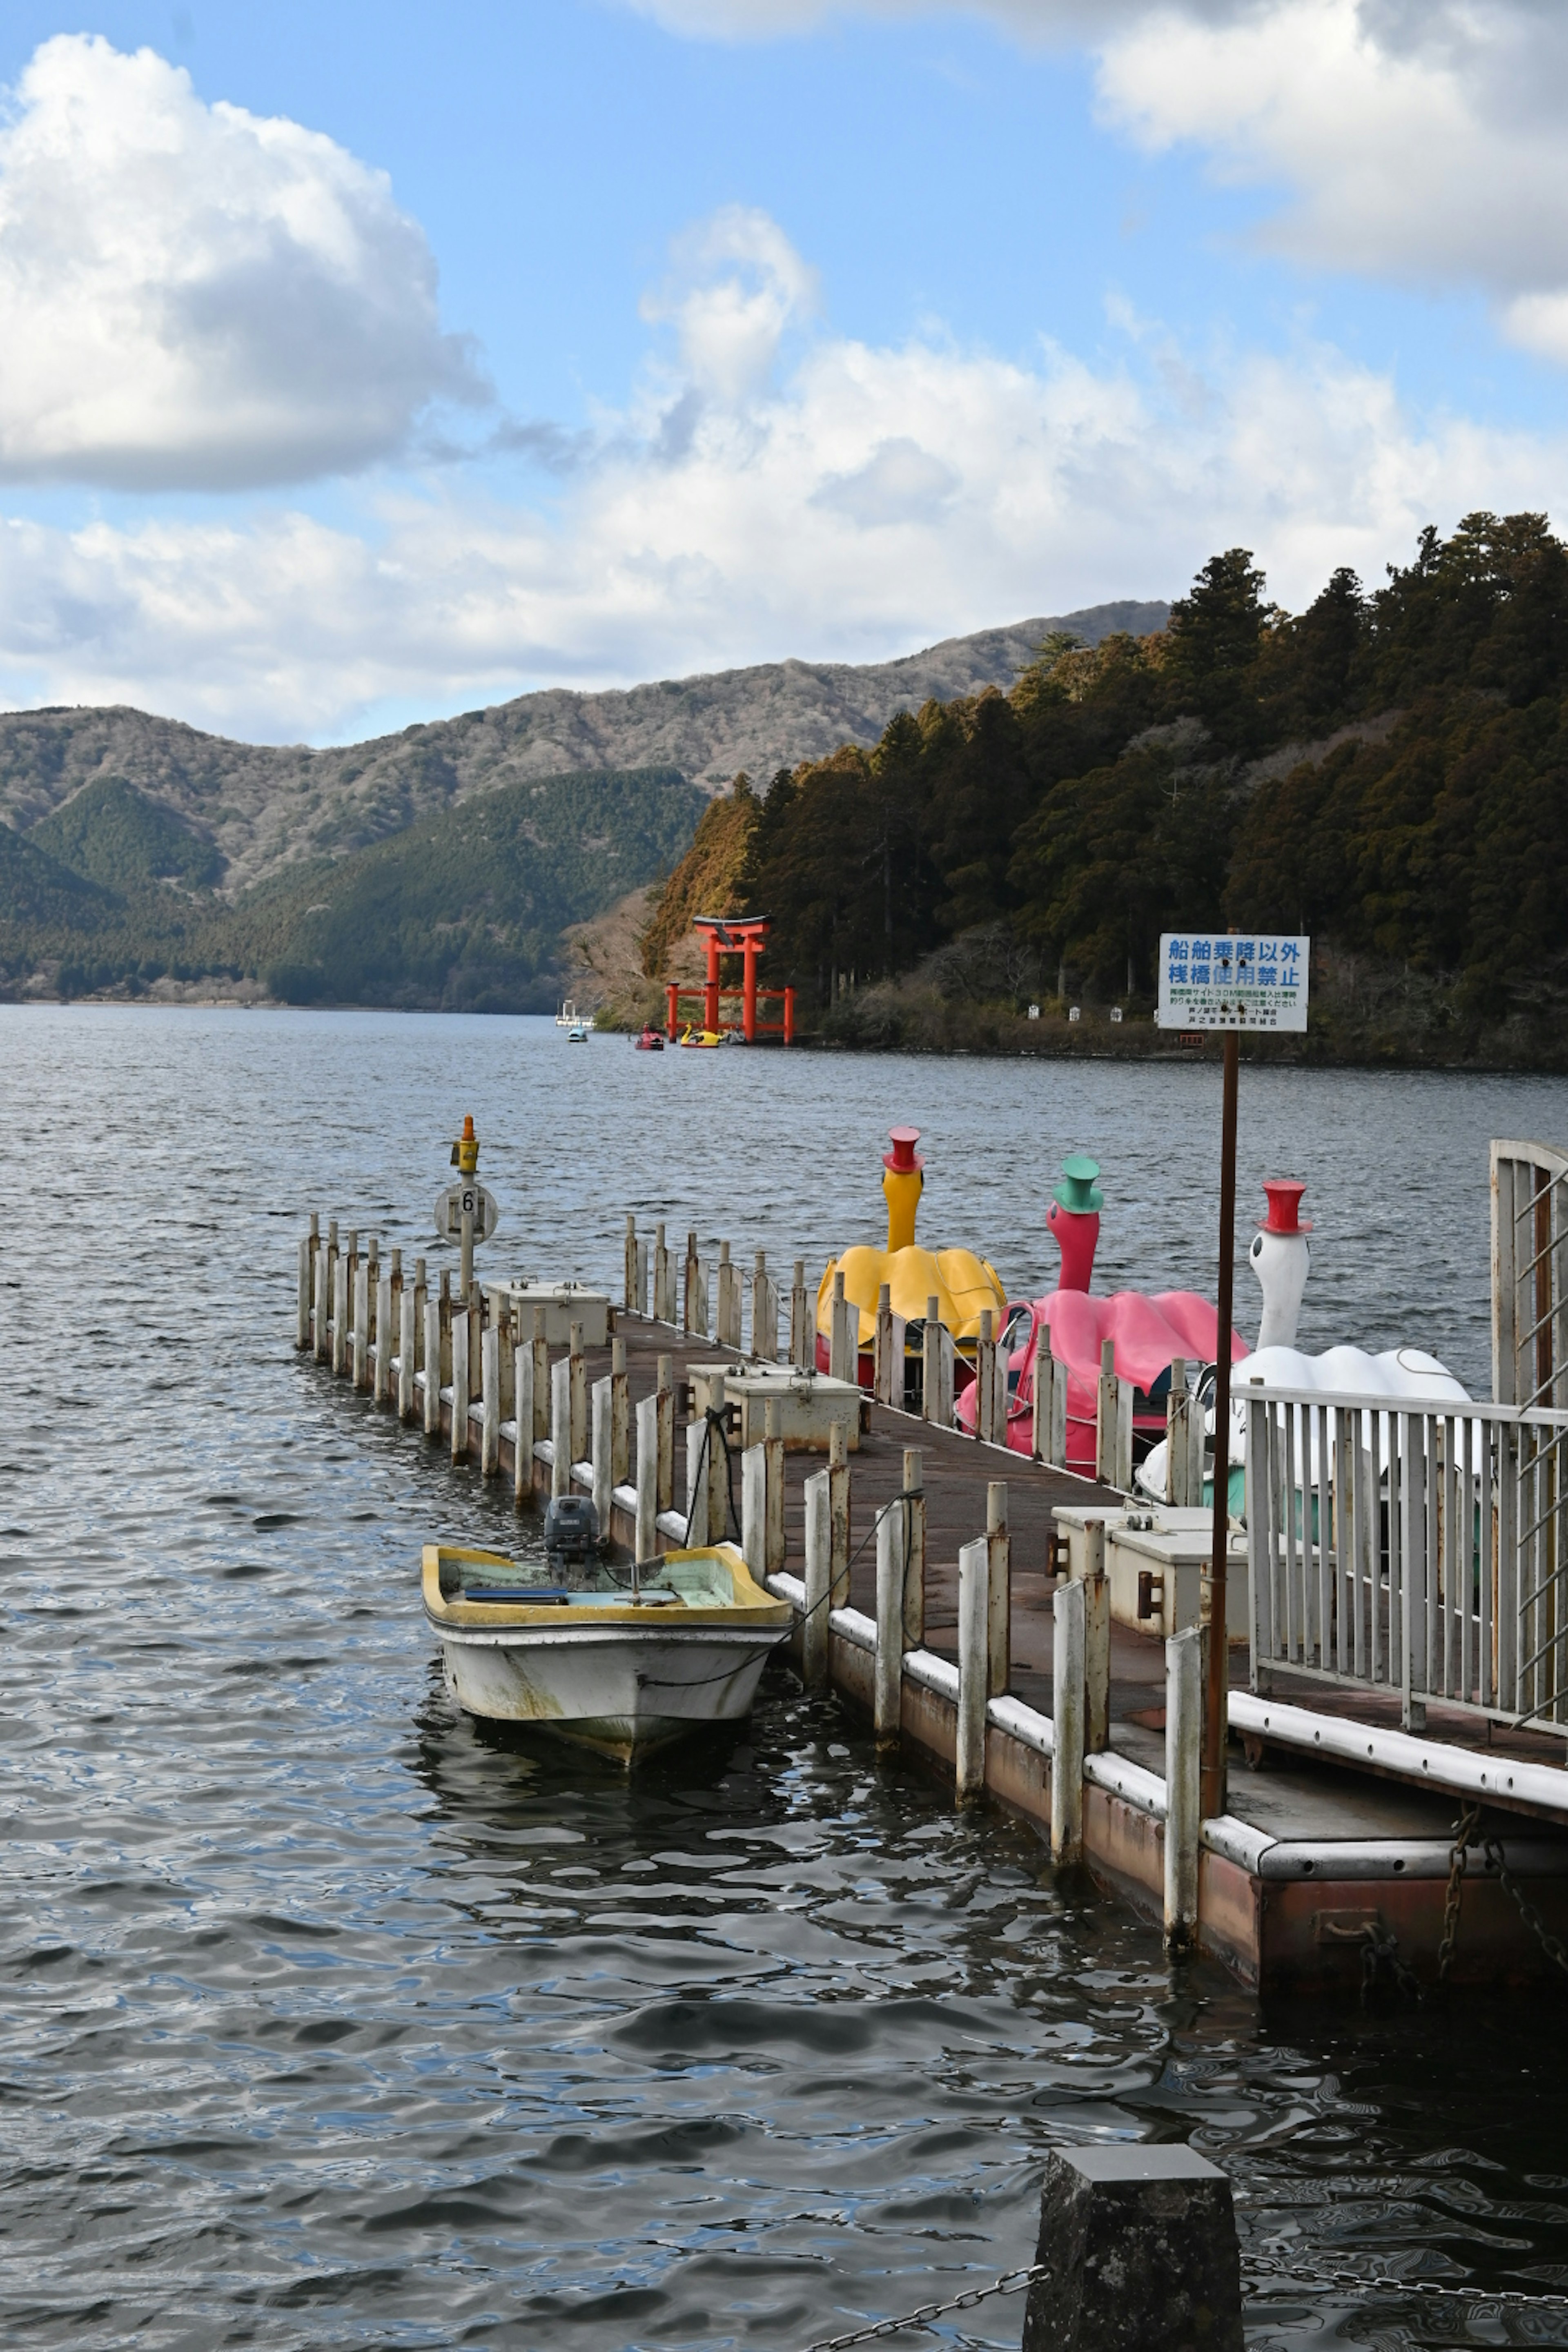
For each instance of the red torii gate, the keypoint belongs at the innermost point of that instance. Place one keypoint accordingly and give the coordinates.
(742, 935)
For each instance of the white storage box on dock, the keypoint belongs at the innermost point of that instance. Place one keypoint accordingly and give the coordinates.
(564, 1303)
(1175, 1550)
(809, 1402)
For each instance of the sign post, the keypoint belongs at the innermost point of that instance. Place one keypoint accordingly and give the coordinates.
(1228, 982)
(466, 1209)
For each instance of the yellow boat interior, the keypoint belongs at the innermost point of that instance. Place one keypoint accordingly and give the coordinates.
(706, 1585)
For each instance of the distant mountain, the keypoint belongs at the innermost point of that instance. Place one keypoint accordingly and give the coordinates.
(210, 810)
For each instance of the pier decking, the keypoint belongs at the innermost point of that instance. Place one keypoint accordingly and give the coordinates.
(1333, 1862)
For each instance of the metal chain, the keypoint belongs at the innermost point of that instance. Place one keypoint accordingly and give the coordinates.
(1389, 2285)
(1532, 1917)
(1010, 2283)
(1464, 1830)
(1382, 1949)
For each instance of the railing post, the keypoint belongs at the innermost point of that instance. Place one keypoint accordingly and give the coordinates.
(999, 1606)
(1183, 1760)
(664, 1393)
(1066, 1724)
(460, 1429)
(915, 1549)
(489, 1392)
(844, 1334)
(973, 1665)
(561, 1427)
(764, 1313)
(729, 1301)
(603, 1451)
(648, 1477)
(802, 1327)
(818, 1582)
(1096, 1642)
(774, 1457)
(754, 1510)
(938, 1378)
(888, 1691)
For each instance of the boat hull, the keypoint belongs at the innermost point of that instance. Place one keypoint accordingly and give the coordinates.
(624, 1691)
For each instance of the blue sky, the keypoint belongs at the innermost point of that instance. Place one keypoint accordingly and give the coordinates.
(362, 364)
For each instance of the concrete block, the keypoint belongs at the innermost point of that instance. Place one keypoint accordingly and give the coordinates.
(1143, 2253)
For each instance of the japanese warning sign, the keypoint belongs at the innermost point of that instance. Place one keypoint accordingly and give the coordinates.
(1220, 979)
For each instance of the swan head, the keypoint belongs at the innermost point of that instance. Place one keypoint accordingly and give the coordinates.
(902, 1184)
(1281, 1260)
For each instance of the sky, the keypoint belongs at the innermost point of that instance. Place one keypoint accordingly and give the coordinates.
(359, 365)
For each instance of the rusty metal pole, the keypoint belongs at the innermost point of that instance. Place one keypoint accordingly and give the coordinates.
(1212, 1794)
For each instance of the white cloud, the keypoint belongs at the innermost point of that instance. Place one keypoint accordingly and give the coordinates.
(1417, 140)
(194, 297)
(856, 502)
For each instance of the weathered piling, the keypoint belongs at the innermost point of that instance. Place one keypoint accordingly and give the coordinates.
(1113, 1423)
(939, 1368)
(360, 1326)
(561, 1427)
(818, 1582)
(718, 1463)
(697, 1486)
(665, 1466)
(489, 1400)
(340, 1314)
(914, 1505)
(1183, 1750)
(577, 1430)
(838, 1510)
(999, 1580)
(663, 1280)
(381, 1377)
(1139, 2248)
(765, 1312)
(433, 1365)
(407, 1325)
(323, 1309)
(602, 1449)
(843, 1333)
(802, 1327)
(1066, 1724)
(727, 1327)
(460, 1383)
(1184, 1443)
(973, 1667)
(887, 1710)
(646, 1542)
(986, 1383)
(773, 1491)
(1096, 1642)
(754, 1510)
(1048, 1434)
(620, 1416)
(309, 1248)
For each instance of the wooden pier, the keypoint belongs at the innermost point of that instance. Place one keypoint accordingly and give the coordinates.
(955, 1592)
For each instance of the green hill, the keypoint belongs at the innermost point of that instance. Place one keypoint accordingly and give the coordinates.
(112, 834)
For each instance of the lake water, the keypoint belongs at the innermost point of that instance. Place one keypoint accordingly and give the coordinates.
(329, 2019)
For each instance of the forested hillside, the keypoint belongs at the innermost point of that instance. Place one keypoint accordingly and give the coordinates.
(1387, 771)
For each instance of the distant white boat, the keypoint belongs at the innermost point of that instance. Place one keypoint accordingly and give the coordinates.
(569, 1019)
(620, 1661)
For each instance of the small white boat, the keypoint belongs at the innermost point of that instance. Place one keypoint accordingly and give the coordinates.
(617, 1659)
(578, 1033)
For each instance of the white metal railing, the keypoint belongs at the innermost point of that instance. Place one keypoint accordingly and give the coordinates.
(1530, 1273)
(1418, 1549)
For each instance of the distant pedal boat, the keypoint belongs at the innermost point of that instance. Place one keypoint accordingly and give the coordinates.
(592, 1662)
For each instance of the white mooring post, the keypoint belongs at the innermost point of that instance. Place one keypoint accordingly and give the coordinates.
(728, 1328)
(999, 1554)
(1114, 1424)
(754, 1510)
(540, 1346)
(892, 1536)
(648, 1477)
(1050, 1430)
(1183, 1758)
(697, 1486)
(985, 1381)
(664, 1394)
(381, 1381)
(838, 1507)
(718, 1466)
(340, 1313)
(432, 1367)
(802, 1329)
(577, 1441)
(882, 1348)
(323, 1311)
(1184, 1443)
(642, 1273)
(663, 1280)
(602, 1452)
(765, 1312)
(974, 1647)
(459, 1430)
(302, 1302)
(1066, 1724)
(523, 1408)
(407, 1325)
(915, 1552)
(1096, 1641)
(773, 1453)
(844, 1334)
(561, 1426)
(818, 1582)
(629, 1284)
(688, 1288)
(489, 1399)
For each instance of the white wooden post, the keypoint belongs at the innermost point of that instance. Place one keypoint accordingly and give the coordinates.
(697, 1532)
(629, 1280)
(727, 1327)
(432, 1367)
(818, 1582)
(764, 1313)
(561, 1426)
(882, 1348)
(889, 1690)
(802, 1324)
(999, 1375)
(1096, 1641)
(323, 1314)
(459, 1430)
(663, 1285)
(489, 1400)
(578, 1438)
(754, 1509)
(718, 1467)
(620, 1416)
(973, 1606)
(1066, 1724)
(1183, 1753)
(665, 1394)
(340, 1313)
(986, 1381)
(1049, 1437)
(603, 1449)
(648, 1477)
(999, 1606)
(773, 1453)
(839, 1491)
(380, 1380)
(915, 1552)
(542, 1389)
(844, 1334)
(1114, 1424)
(302, 1302)
(522, 1393)
(642, 1270)
(407, 1328)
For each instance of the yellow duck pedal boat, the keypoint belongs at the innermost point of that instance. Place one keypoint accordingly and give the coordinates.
(615, 1661)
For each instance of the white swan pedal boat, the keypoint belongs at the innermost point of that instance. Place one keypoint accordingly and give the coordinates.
(615, 1660)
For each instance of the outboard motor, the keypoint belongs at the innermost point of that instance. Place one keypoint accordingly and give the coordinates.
(570, 1529)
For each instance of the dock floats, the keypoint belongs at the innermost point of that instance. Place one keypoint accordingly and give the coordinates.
(971, 1604)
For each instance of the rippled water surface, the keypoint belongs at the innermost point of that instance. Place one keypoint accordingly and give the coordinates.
(329, 2019)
